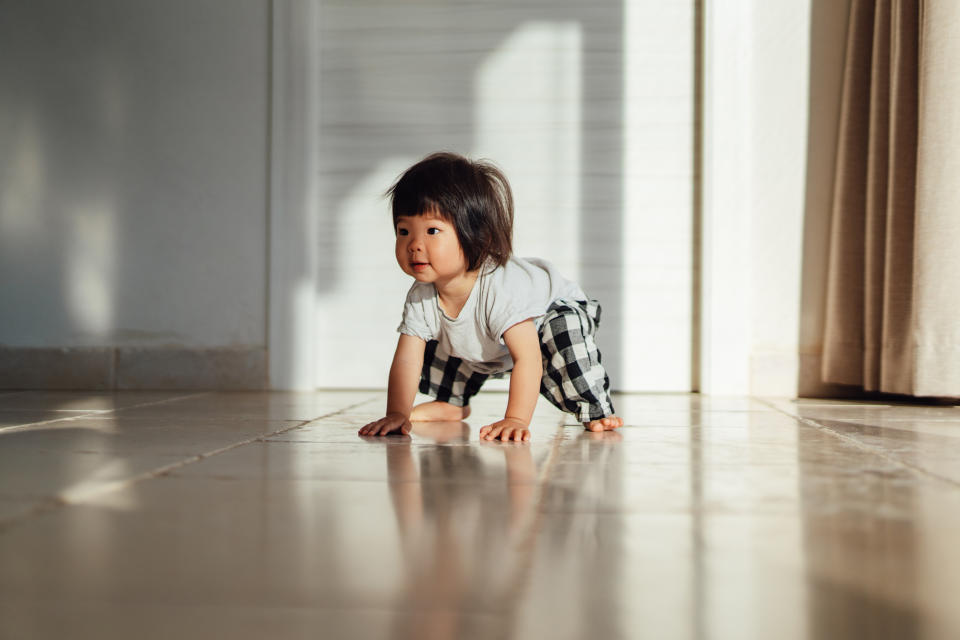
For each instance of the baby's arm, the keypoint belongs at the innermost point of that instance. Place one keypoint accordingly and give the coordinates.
(524, 344)
(402, 389)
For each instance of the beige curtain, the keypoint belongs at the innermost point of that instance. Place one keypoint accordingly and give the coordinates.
(893, 291)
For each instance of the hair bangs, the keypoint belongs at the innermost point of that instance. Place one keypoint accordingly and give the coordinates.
(474, 196)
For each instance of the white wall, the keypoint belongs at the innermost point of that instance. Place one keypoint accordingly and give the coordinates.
(771, 114)
(135, 162)
(780, 90)
(587, 106)
(133, 172)
(797, 76)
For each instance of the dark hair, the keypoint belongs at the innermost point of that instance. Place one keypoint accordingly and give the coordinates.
(474, 196)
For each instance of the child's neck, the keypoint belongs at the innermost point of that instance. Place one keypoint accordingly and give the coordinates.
(454, 293)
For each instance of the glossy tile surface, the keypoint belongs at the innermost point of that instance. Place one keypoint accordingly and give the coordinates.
(252, 515)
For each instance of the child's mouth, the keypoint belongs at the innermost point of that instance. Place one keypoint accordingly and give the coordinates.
(419, 266)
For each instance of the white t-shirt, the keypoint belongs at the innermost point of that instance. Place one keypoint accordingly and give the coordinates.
(523, 288)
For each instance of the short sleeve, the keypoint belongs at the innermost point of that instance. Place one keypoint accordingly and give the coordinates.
(417, 311)
(516, 295)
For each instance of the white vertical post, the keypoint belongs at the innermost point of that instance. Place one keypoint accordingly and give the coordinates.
(727, 170)
(657, 229)
(293, 215)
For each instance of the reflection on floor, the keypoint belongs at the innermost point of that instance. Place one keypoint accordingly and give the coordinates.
(265, 515)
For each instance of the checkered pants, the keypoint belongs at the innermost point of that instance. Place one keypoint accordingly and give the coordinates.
(573, 378)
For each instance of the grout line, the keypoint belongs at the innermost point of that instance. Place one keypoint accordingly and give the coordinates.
(164, 401)
(866, 447)
(4, 410)
(69, 498)
(96, 412)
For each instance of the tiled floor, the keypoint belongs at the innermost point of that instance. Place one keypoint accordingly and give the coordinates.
(259, 515)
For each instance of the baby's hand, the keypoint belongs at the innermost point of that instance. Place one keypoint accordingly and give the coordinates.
(505, 429)
(384, 426)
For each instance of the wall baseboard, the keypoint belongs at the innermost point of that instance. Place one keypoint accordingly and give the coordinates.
(773, 374)
(109, 368)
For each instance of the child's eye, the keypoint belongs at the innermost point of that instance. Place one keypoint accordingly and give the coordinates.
(433, 231)
(402, 232)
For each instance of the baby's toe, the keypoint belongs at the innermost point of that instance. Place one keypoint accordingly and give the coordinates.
(604, 424)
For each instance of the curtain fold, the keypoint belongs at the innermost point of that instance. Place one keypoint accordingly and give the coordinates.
(893, 290)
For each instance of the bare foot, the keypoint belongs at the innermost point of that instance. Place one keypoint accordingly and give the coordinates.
(603, 424)
(436, 410)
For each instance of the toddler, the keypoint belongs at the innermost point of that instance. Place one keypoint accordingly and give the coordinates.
(476, 311)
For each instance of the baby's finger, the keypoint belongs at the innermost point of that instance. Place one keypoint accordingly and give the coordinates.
(398, 427)
(494, 432)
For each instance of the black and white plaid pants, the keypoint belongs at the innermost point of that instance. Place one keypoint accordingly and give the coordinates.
(573, 380)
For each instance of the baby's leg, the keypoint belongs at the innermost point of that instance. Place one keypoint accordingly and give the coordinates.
(450, 381)
(574, 380)
(437, 410)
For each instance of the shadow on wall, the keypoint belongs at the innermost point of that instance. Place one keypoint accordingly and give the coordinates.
(534, 86)
(59, 196)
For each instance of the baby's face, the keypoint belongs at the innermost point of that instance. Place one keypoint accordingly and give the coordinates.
(428, 248)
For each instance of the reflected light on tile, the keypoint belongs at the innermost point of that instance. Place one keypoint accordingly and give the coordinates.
(107, 494)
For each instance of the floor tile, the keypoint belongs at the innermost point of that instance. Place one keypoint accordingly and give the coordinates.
(276, 542)
(167, 436)
(39, 475)
(257, 406)
(12, 508)
(255, 514)
(388, 459)
(160, 620)
(926, 438)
